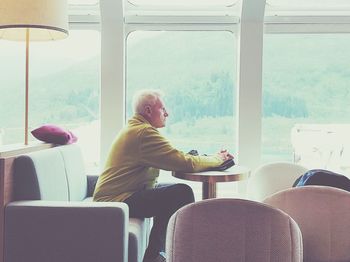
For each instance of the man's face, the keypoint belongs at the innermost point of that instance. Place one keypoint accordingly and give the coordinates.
(158, 114)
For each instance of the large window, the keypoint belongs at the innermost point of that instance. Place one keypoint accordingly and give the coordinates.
(64, 88)
(196, 72)
(306, 81)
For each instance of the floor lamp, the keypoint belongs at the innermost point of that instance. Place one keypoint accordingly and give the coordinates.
(32, 20)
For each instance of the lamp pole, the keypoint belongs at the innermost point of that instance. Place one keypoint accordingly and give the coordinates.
(26, 108)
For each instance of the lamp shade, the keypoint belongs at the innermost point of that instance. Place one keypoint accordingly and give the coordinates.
(45, 19)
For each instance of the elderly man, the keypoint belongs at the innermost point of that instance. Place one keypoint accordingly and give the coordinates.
(133, 164)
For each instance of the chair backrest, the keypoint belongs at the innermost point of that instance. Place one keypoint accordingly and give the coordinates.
(51, 174)
(40, 176)
(75, 171)
(271, 178)
(232, 230)
(323, 215)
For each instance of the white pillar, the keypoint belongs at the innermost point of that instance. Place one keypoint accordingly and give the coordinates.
(249, 92)
(112, 73)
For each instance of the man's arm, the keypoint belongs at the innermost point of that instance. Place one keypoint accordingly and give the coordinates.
(157, 152)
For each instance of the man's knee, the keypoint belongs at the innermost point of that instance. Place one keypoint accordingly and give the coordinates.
(185, 193)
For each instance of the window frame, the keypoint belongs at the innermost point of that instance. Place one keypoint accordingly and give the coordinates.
(115, 28)
(249, 25)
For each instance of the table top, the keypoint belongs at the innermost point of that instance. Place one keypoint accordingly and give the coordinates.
(235, 173)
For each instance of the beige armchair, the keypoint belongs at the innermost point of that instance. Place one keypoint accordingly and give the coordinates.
(323, 215)
(232, 230)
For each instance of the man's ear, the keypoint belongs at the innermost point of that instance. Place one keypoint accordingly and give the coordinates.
(148, 110)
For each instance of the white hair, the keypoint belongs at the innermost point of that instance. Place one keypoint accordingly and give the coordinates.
(145, 97)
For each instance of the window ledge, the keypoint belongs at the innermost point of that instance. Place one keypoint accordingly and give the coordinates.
(19, 149)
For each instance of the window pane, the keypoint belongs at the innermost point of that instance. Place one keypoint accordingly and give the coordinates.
(306, 99)
(12, 66)
(64, 87)
(196, 72)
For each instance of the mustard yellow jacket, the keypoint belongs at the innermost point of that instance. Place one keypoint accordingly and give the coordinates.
(136, 156)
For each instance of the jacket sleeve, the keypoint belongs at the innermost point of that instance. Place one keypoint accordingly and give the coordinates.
(157, 152)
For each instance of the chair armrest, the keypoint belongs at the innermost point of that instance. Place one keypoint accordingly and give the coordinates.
(91, 183)
(58, 231)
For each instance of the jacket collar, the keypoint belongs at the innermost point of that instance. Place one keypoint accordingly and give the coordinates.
(141, 118)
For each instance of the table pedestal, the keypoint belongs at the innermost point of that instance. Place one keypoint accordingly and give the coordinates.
(208, 190)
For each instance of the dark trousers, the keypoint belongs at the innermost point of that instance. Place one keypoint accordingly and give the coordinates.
(160, 203)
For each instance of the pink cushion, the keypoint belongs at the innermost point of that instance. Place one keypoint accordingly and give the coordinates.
(54, 134)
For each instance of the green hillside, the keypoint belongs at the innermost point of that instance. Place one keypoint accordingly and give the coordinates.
(304, 76)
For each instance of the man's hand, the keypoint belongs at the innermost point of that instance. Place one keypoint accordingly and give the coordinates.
(225, 155)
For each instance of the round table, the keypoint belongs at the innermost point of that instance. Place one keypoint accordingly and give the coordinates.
(210, 178)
